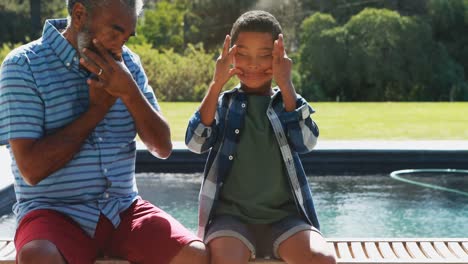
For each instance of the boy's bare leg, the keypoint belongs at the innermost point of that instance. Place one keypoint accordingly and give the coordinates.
(306, 247)
(228, 250)
(195, 252)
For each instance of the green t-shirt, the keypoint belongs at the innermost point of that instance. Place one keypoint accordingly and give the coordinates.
(257, 190)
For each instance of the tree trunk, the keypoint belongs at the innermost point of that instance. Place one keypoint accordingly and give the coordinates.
(36, 25)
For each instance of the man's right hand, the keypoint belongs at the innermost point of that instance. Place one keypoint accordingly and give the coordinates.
(100, 99)
(38, 158)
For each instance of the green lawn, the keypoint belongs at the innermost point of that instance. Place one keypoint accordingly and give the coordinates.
(381, 121)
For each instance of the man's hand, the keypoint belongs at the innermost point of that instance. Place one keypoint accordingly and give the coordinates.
(223, 71)
(99, 98)
(114, 78)
(111, 74)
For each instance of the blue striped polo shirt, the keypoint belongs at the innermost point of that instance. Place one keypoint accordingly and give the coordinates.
(43, 88)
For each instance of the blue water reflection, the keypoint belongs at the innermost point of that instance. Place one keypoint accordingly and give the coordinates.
(348, 206)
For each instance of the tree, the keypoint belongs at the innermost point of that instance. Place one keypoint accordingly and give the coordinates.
(449, 21)
(378, 55)
(14, 18)
(343, 10)
(376, 66)
(163, 26)
(22, 20)
(215, 20)
(290, 15)
(35, 11)
(321, 54)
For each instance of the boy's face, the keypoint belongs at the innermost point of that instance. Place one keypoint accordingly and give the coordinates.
(254, 58)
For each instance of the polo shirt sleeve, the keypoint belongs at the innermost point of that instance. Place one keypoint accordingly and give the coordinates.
(21, 107)
(142, 80)
(301, 130)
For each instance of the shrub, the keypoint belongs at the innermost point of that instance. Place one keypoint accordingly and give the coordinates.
(7, 48)
(178, 77)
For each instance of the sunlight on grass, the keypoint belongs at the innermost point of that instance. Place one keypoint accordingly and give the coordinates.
(379, 121)
(178, 114)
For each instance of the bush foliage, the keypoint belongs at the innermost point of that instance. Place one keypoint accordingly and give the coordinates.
(178, 77)
(408, 50)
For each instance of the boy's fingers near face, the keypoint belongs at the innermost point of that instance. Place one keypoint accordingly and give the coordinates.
(276, 52)
(235, 71)
(232, 51)
(281, 51)
(227, 43)
(281, 40)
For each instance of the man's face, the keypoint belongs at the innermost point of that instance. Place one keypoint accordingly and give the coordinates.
(254, 58)
(112, 25)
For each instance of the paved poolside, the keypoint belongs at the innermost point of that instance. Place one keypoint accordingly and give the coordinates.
(384, 144)
(7, 178)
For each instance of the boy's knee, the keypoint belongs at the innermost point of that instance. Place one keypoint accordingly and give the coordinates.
(199, 252)
(196, 252)
(319, 258)
(226, 259)
(40, 251)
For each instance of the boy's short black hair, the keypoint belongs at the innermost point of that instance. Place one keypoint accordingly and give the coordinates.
(256, 21)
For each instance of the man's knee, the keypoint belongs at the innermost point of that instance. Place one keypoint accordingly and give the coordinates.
(40, 251)
(195, 252)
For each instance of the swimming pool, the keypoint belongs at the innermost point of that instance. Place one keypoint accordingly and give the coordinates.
(347, 206)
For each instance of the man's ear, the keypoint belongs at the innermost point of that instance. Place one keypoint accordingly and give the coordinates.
(79, 16)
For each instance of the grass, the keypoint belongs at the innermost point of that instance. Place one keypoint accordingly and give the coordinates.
(379, 121)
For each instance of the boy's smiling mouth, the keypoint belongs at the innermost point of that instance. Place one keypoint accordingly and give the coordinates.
(254, 75)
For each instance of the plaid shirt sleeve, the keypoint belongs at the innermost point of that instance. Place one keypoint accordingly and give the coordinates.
(302, 132)
(200, 138)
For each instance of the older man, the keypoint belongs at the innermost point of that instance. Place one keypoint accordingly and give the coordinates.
(71, 104)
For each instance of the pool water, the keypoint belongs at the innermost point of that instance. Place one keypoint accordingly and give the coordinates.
(347, 206)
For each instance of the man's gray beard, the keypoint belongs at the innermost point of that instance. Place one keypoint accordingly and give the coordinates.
(83, 39)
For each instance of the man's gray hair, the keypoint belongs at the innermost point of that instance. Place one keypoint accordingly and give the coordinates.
(90, 5)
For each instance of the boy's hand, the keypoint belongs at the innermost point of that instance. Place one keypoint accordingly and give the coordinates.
(281, 70)
(282, 64)
(223, 71)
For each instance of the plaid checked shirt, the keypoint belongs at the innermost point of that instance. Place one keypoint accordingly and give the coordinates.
(295, 133)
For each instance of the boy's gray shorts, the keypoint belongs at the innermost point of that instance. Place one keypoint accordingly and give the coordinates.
(262, 240)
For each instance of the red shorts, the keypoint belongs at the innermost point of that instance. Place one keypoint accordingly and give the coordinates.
(146, 234)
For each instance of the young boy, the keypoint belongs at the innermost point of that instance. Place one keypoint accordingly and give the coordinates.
(255, 200)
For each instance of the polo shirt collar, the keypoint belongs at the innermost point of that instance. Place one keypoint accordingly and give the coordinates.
(59, 44)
